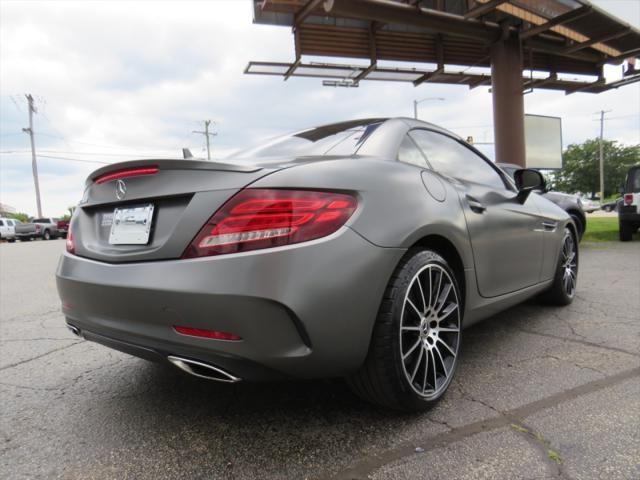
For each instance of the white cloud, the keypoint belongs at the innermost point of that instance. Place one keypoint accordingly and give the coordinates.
(114, 79)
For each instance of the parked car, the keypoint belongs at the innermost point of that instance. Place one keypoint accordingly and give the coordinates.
(611, 206)
(7, 228)
(572, 204)
(357, 249)
(590, 205)
(45, 228)
(63, 227)
(629, 206)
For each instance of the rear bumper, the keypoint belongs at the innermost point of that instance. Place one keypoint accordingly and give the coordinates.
(302, 311)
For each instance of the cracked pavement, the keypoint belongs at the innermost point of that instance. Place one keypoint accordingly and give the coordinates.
(541, 392)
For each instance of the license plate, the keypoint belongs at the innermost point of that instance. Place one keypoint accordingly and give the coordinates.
(131, 225)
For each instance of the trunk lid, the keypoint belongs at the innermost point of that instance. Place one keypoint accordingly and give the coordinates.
(184, 195)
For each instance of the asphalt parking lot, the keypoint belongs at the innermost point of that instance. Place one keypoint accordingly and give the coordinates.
(540, 392)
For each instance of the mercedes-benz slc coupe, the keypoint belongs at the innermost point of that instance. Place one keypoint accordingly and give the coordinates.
(359, 249)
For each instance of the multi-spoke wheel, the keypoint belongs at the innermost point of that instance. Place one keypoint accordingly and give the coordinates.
(563, 289)
(569, 265)
(416, 339)
(430, 331)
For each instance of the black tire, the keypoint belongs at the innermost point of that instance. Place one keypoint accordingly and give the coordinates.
(382, 379)
(625, 231)
(558, 293)
(46, 235)
(579, 225)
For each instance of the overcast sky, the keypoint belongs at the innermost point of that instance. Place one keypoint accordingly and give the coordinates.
(115, 80)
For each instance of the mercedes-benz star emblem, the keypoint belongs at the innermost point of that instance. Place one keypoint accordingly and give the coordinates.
(121, 189)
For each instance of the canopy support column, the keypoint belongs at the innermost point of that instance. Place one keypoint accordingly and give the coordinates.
(508, 102)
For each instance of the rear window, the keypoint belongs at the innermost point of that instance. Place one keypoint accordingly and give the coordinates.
(42, 220)
(343, 139)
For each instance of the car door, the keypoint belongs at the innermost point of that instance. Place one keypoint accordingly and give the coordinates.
(506, 236)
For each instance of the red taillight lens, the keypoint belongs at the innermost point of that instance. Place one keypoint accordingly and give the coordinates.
(213, 334)
(71, 245)
(628, 198)
(127, 172)
(257, 218)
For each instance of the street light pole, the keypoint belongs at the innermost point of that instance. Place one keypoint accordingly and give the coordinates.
(416, 102)
(602, 112)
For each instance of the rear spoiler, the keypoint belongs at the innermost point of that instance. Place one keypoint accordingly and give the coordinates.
(170, 164)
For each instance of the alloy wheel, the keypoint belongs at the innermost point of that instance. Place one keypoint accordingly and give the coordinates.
(430, 331)
(569, 265)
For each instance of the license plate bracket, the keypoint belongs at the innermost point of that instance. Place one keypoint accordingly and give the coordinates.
(131, 225)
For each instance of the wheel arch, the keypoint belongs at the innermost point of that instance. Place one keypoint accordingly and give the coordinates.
(445, 248)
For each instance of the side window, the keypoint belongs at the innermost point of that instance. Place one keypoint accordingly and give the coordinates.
(1, 223)
(409, 153)
(451, 158)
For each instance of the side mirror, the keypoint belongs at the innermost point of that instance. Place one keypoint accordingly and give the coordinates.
(527, 180)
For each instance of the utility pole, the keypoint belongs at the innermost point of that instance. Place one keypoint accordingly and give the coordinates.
(34, 164)
(602, 112)
(207, 134)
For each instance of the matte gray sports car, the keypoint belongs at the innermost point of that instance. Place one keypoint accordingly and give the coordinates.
(359, 249)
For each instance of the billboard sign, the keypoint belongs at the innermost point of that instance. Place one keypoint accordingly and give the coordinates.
(543, 142)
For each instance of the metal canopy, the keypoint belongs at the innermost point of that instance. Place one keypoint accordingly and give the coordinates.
(557, 38)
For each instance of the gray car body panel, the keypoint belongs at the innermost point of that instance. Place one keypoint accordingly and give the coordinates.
(305, 310)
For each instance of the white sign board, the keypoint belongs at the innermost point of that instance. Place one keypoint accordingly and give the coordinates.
(543, 142)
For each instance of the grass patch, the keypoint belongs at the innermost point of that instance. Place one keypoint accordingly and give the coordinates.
(603, 229)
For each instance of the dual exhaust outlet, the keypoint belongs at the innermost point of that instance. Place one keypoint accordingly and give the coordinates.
(202, 370)
(192, 367)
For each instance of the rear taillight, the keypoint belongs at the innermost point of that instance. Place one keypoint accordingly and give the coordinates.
(38, 227)
(628, 198)
(71, 245)
(127, 172)
(257, 218)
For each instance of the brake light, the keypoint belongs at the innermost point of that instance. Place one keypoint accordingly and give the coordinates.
(257, 218)
(213, 334)
(38, 227)
(71, 245)
(628, 198)
(127, 172)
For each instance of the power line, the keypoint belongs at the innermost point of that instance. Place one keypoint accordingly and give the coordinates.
(74, 159)
(20, 152)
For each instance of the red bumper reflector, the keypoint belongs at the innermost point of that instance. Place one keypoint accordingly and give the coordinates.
(214, 334)
(127, 172)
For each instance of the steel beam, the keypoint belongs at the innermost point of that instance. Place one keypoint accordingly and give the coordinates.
(484, 8)
(302, 14)
(593, 41)
(559, 20)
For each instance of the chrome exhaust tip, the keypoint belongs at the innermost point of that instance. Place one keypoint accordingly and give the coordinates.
(202, 370)
(75, 330)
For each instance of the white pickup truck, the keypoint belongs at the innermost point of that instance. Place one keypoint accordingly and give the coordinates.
(7, 228)
(629, 205)
(45, 228)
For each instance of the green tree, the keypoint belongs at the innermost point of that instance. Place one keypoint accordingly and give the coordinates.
(581, 172)
(23, 217)
(67, 216)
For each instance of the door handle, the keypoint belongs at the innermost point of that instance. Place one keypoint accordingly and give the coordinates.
(475, 205)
